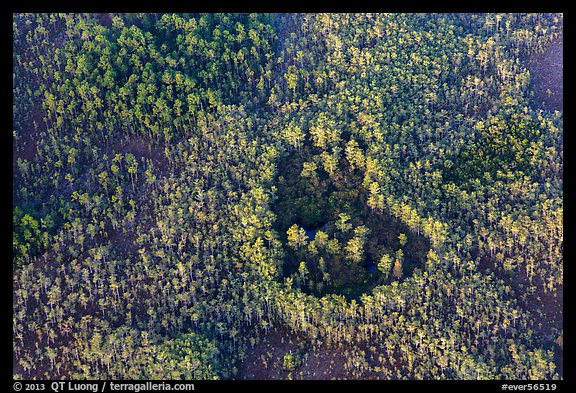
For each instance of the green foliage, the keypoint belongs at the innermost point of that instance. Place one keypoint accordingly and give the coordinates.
(188, 357)
(291, 361)
(170, 171)
(385, 264)
(355, 249)
(504, 144)
(402, 239)
(296, 236)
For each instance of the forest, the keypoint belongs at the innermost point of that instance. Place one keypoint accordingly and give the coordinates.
(287, 196)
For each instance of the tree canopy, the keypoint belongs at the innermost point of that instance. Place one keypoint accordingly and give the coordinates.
(229, 196)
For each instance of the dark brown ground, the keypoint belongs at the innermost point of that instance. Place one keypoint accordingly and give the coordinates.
(547, 70)
(264, 360)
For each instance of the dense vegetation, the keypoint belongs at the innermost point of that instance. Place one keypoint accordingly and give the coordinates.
(224, 196)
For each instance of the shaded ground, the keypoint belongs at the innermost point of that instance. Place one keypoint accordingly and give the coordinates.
(26, 147)
(547, 70)
(317, 360)
(105, 19)
(546, 308)
(315, 202)
(140, 147)
(265, 360)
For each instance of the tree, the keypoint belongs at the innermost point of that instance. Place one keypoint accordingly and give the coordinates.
(432, 259)
(541, 365)
(362, 232)
(118, 22)
(397, 270)
(303, 272)
(181, 286)
(342, 224)
(294, 136)
(321, 239)
(330, 163)
(132, 168)
(385, 265)
(402, 239)
(355, 249)
(291, 361)
(333, 246)
(296, 237)
(354, 155)
(309, 169)
(376, 199)
(291, 77)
